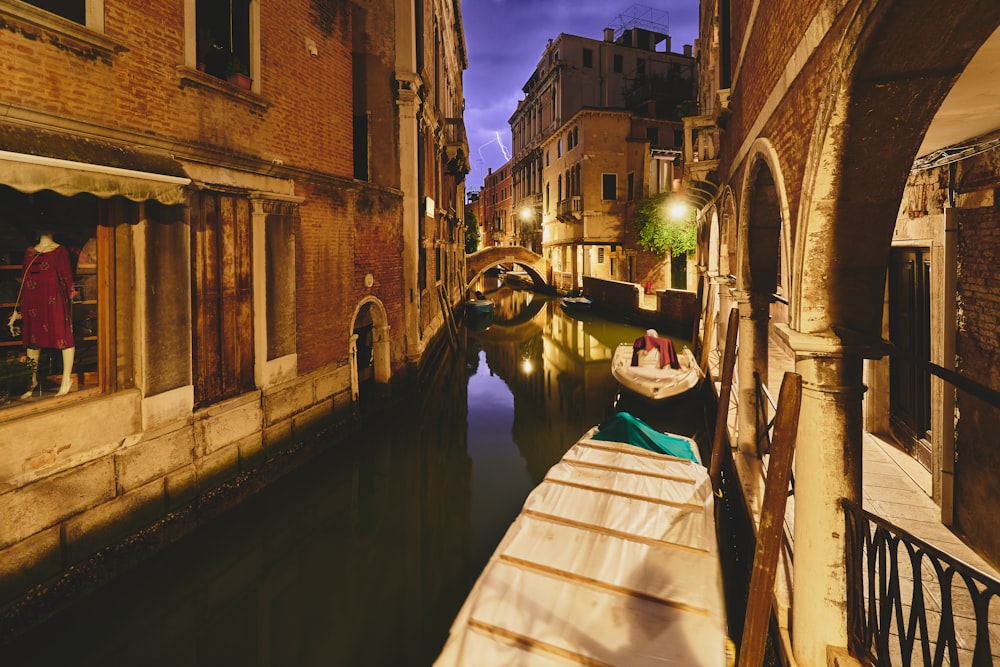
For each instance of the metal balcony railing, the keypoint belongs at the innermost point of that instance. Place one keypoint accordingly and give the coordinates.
(911, 604)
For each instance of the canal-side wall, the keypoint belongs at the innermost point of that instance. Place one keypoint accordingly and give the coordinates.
(107, 478)
(675, 311)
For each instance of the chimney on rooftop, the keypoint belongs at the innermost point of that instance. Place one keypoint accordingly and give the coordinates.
(687, 50)
(609, 34)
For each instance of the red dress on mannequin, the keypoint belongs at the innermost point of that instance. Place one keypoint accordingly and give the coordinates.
(45, 299)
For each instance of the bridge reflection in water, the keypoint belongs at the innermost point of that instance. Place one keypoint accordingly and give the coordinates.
(364, 556)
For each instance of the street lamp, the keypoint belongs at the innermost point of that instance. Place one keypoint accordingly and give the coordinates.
(677, 210)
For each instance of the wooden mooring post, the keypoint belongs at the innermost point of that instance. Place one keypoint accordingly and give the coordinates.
(719, 451)
(772, 515)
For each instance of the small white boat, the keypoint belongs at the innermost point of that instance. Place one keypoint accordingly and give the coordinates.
(646, 372)
(613, 560)
(575, 303)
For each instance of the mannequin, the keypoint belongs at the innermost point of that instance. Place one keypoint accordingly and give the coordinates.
(46, 294)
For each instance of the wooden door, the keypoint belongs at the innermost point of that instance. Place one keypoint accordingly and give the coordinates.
(909, 330)
(223, 306)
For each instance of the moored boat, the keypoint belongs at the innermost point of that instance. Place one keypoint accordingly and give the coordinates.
(613, 560)
(479, 304)
(652, 369)
(575, 303)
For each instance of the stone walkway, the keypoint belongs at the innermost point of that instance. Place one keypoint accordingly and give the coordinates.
(897, 488)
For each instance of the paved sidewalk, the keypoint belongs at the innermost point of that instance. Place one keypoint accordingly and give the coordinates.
(894, 485)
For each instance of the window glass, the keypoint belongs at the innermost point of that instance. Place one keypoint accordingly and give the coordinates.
(223, 37)
(71, 223)
(609, 186)
(74, 10)
(588, 58)
(618, 64)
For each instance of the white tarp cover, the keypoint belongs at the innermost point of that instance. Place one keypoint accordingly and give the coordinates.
(612, 561)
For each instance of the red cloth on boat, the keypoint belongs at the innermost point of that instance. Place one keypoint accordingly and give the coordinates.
(664, 345)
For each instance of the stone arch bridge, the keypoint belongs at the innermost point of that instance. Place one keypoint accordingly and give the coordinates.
(536, 266)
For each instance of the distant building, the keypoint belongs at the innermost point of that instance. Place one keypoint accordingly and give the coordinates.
(627, 77)
(596, 168)
(495, 198)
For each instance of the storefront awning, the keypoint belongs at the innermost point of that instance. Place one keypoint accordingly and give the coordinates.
(32, 160)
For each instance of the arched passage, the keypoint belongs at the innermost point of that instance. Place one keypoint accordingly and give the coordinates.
(898, 60)
(369, 346)
(764, 207)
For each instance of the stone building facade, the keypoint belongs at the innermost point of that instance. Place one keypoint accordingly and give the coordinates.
(249, 256)
(844, 159)
(596, 168)
(575, 73)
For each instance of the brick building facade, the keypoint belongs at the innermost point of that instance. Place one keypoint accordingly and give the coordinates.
(249, 256)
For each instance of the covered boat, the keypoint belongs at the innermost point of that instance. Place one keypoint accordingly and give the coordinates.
(479, 304)
(651, 368)
(612, 561)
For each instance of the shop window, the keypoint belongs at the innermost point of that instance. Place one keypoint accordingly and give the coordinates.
(72, 223)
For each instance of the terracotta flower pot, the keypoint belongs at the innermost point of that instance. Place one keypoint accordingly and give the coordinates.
(240, 80)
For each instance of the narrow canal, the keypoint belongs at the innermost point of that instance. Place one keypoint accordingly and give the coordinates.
(364, 556)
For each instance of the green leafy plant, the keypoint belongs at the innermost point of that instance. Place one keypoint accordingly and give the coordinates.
(15, 376)
(659, 232)
(471, 233)
(236, 66)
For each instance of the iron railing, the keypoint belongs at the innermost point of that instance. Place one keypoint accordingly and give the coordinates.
(910, 603)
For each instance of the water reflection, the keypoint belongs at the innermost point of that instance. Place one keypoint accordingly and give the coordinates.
(364, 556)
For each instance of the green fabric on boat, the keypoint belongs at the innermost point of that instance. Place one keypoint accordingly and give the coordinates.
(624, 427)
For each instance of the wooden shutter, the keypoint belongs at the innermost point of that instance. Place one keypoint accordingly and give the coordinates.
(223, 306)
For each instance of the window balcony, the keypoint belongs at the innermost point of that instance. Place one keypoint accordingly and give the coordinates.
(456, 147)
(570, 209)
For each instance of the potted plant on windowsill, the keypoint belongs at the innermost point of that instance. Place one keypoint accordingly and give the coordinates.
(238, 74)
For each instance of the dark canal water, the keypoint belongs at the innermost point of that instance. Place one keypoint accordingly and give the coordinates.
(364, 556)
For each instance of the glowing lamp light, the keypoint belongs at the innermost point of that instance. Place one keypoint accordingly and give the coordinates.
(677, 210)
(526, 213)
(527, 366)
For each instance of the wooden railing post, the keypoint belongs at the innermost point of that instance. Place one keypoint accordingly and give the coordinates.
(772, 515)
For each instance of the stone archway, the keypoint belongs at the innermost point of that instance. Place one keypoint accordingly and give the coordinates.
(897, 62)
(369, 349)
(762, 214)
